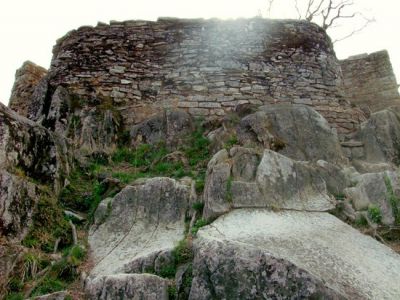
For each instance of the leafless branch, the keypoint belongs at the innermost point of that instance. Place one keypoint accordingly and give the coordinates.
(328, 13)
(313, 12)
(355, 31)
(297, 8)
(269, 6)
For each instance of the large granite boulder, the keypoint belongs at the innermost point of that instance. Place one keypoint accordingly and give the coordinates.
(259, 254)
(380, 135)
(245, 177)
(26, 80)
(297, 131)
(143, 224)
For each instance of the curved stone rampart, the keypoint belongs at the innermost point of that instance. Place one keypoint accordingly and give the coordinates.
(205, 67)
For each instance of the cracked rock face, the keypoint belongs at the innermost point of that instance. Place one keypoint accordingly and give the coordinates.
(297, 131)
(30, 156)
(380, 135)
(247, 178)
(128, 286)
(24, 144)
(259, 254)
(18, 198)
(169, 127)
(144, 222)
(26, 79)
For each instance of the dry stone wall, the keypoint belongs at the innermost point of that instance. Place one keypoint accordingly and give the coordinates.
(369, 81)
(205, 67)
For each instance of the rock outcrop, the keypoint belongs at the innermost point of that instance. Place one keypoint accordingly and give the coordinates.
(296, 131)
(245, 178)
(112, 141)
(380, 135)
(170, 128)
(128, 286)
(30, 156)
(377, 190)
(26, 80)
(261, 254)
(142, 223)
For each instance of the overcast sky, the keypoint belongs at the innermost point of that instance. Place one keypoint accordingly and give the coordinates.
(30, 28)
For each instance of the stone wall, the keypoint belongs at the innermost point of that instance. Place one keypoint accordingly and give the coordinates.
(26, 79)
(205, 67)
(369, 81)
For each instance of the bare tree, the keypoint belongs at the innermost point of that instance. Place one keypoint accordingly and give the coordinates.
(328, 14)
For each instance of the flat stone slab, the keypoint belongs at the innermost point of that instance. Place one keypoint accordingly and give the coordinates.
(348, 263)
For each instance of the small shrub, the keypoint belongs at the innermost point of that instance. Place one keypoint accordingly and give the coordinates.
(232, 141)
(168, 271)
(94, 199)
(183, 252)
(16, 284)
(48, 285)
(361, 221)
(172, 293)
(199, 185)
(198, 224)
(340, 197)
(374, 214)
(48, 225)
(76, 195)
(123, 154)
(198, 206)
(197, 147)
(77, 252)
(15, 296)
(33, 263)
(124, 177)
(149, 270)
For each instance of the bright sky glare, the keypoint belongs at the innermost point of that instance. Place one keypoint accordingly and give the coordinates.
(29, 29)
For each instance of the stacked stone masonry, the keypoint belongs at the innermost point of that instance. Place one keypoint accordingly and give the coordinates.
(369, 81)
(205, 67)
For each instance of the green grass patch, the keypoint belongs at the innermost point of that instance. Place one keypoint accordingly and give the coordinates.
(198, 206)
(375, 214)
(15, 296)
(198, 224)
(232, 141)
(49, 224)
(168, 271)
(172, 292)
(183, 252)
(49, 285)
(340, 197)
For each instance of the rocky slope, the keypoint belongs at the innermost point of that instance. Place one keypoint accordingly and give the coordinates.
(263, 202)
